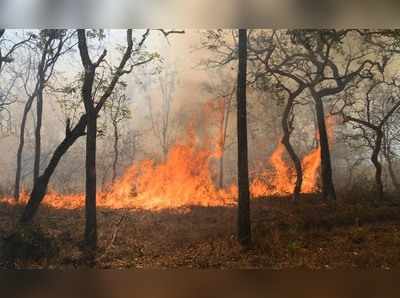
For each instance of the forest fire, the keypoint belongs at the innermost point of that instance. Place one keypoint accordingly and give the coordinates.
(185, 179)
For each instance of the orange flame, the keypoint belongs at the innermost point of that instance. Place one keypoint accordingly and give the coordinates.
(184, 179)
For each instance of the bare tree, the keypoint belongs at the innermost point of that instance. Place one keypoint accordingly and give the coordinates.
(222, 105)
(161, 120)
(9, 46)
(51, 45)
(378, 107)
(132, 57)
(118, 111)
(319, 62)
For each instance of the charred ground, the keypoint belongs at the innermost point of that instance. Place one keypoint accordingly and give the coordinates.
(356, 232)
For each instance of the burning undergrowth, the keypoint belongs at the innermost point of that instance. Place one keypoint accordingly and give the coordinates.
(185, 178)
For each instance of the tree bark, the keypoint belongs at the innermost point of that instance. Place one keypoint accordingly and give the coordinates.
(244, 223)
(40, 187)
(289, 148)
(328, 188)
(116, 151)
(90, 198)
(377, 164)
(39, 116)
(227, 110)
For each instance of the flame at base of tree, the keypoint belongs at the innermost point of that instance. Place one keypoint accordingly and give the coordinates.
(281, 179)
(185, 179)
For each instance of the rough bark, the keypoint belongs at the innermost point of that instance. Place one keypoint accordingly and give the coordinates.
(38, 139)
(244, 224)
(328, 188)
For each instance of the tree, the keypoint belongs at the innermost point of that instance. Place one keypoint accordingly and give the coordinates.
(244, 223)
(118, 111)
(222, 88)
(51, 45)
(78, 130)
(378, 106)
(161, 121)
(9, 46)
(132, 56)
(321, 63)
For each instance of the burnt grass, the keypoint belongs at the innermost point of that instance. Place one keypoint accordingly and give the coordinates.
(311, 234)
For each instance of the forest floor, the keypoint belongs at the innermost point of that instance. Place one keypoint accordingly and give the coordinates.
(310, 234)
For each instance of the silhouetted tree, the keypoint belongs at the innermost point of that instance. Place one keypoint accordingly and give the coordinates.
(377, 107)
(244, 223)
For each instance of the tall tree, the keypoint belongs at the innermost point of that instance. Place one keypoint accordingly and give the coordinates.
(132, 56)
(161, 119)
(244, 223)
(51, 45)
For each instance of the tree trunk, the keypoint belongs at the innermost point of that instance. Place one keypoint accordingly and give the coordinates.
(227, 109)
(90, 198)
(328, 189)
(116, 151)
(289, 148)
(221, 171)
(40, 186)
(244, 224)
(39, 115)
(17, 184)
(377, 164)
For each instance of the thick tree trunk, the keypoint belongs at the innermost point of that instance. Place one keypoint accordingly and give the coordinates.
(17, 184)
(116, 151)
(40, 186)
(90, 198)
(289, 148)
(328, 189)
(244, 224)
(39, 116)
(377, 164)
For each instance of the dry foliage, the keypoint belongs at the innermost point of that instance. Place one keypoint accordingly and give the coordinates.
(354, 233)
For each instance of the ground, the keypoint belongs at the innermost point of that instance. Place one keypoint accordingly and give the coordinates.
(310, 234)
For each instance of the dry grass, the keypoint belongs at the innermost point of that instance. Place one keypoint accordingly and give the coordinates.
(310, 234)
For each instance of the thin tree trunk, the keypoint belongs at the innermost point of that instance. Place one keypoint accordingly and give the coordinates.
(90, 198)
(289, 148)
(221, 171)
(17, 184)
(40, 187)
(377, 164)
(116, 151)
(328, 189)
(244, 223)
(227, 109)
(39, 115)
